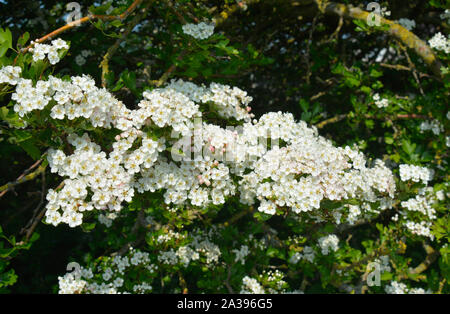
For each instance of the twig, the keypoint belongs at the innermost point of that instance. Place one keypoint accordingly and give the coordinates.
(179, 16)
(85, 19)
(414, 71)
(169, 71)
(237, 216)
(320, 94)
(227, 281)
(394, 30)
(308, 48)
(400, 67)
(26, 176)
(183, 283)
(332, 120)
(35, 211)
(35, 223)
(111, 50)
(140, 221)
(341, 117)
(431, 257)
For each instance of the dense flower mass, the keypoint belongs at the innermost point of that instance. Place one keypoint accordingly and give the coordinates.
(110, 276)
(276, 161)
(415, 173)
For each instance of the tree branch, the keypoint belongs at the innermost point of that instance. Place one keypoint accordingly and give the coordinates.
(104, 63)
(26, 176)
(85, 19)
(395, 30)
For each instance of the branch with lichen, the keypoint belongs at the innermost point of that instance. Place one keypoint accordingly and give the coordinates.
(395, 30)
(26, 176)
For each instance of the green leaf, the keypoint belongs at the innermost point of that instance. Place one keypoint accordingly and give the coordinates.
(304, 104)
(29, 147)
(129, 79)
(408, 147)
(386, 276)
(389, 140)
(5, 41)
(273, 252)
(375, 73)
(261, 216)
(6, 37)
(21, 135)
(23, 39)
(116, 23)
(100, 10)
(87, 227)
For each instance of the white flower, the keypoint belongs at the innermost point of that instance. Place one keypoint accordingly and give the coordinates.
(329, 242)
(251, 285)
(440, 42)
(380, 102)
(415, 173)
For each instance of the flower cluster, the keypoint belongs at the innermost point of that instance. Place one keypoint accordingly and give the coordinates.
(81, 58)
(420, 211)
(251, 286)
(435, 126)
(199, 31)
(10, 74)
(446, 15)
(40, 51)
(400, 288)
(280, 163)
(380, 102)
(327, 243)
(440, 42)
(422, 228)
(416, 173)
(169, 236)
(229, 102)
(96, 181)
(271, 281)
(420, 204)
(199, 246)
(109, 277)
(107, 219)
